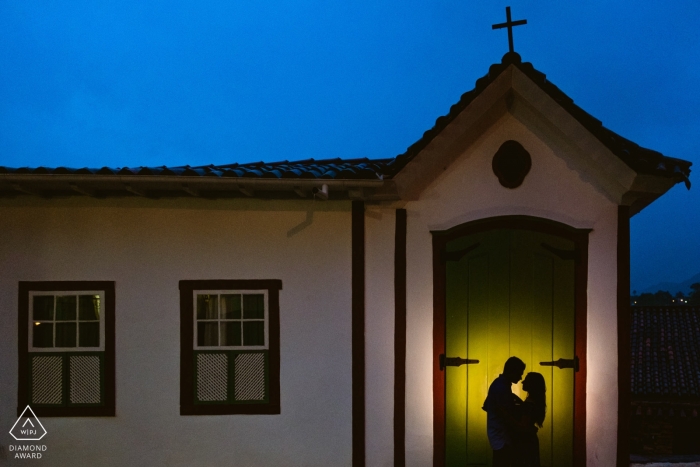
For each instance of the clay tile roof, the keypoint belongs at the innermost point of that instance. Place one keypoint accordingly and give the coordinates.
(324, 169)
(666, 352)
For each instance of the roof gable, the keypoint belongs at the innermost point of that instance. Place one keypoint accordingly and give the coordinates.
(631, 174)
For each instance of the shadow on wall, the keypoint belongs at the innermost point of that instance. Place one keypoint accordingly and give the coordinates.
(301, 226)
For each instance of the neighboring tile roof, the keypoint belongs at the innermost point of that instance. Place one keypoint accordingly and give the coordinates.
(647, 408)
(666, 352)
(350, 169)
(640, 159)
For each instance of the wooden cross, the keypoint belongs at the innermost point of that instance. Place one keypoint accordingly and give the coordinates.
(509, 24)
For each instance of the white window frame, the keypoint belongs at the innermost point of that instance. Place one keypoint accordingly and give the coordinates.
(31, 321)
(263, 292)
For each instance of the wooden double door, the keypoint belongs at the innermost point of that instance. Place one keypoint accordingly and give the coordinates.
(508, 292)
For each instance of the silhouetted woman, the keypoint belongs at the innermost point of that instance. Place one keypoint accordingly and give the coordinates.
(533, 409)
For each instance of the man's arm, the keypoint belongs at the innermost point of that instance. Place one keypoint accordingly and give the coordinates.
(504, 405)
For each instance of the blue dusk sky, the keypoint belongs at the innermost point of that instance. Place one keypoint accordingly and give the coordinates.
(149, 82)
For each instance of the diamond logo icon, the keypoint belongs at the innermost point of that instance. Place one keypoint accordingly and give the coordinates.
(28, 427)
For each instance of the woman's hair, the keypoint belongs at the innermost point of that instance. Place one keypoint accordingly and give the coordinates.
(536, 395)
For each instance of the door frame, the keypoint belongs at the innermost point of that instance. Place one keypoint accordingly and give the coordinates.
(535, 224)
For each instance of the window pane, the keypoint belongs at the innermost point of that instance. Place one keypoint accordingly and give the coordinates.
(65, 334)
(208, 334)
(43, 335)
(231, 306)
(43, 307)
(231, 333)
(254, 306)
(253, 332)
(89, 334)
(88, 307)
(65, 308)
(207, 306)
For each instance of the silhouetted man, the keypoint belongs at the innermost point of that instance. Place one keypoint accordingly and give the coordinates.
(500, 408)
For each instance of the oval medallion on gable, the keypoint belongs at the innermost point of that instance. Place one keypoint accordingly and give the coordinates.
(511, 164)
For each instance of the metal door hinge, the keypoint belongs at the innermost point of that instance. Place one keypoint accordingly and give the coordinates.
(563, 363)
(455, 361)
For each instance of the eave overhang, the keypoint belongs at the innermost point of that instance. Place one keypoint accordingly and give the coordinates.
(159, 186)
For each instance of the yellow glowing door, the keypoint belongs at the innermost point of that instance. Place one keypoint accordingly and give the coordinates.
(508, 293)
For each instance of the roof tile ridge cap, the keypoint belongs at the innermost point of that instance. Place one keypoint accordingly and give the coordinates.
(514, 58)
(337, 160)
(467, 97)
(399, 161)
(541, 79)
(511, 57)
(443, 120)
(274, 163)
(548, 86)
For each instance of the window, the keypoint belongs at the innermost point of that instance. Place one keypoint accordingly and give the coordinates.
(66, 348)
(229, 356)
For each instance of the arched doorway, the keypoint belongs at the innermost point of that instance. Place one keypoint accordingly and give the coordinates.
(508, 286)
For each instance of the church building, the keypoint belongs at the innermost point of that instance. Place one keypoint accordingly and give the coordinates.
(332, 312)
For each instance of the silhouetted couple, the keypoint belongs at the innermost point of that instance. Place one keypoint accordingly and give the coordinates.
(511, 423)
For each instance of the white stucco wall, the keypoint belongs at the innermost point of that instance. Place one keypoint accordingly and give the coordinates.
(468, 190)
(146, 247)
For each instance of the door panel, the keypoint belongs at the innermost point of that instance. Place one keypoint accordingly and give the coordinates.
(542, 327)
(477, 344)
(456, 345)
(509, 296)
(563, 347)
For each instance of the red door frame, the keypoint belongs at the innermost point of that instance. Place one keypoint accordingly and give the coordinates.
(580, 239)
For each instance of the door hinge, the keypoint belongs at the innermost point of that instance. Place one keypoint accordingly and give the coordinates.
(455, 361)
(563, 363)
